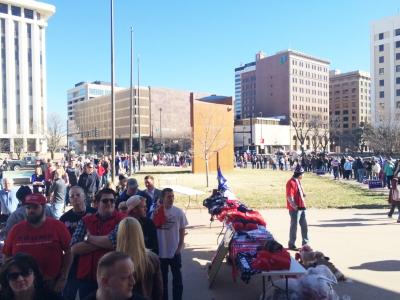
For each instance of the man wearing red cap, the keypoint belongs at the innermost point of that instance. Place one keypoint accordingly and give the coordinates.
(295, 202)
(46, 239)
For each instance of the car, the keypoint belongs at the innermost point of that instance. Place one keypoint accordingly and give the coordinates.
(28, 162)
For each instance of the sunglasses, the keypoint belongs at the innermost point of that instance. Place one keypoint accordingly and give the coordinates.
(15, 275)
(105, 201)
(74, 195)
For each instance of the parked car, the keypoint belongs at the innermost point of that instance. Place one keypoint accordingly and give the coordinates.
(28, 162)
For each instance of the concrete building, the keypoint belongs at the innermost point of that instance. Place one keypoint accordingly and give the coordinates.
(266, 135)
(83, 91)
(349, 104)
(23, 93)
(385, 71)
(164, 120)
(295, 86)
(245, 91)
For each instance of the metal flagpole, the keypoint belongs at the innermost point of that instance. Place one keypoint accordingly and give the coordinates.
(112, 96)
(138, 95)
(131, 109)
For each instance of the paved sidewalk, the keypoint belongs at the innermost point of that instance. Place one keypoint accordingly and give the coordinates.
(362, 243)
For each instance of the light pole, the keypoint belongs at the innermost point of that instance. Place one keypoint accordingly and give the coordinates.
(131, 109)
(112, 95)
(138, 98)
(160, 131)
(261, 140)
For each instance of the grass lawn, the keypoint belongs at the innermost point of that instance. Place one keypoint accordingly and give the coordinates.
(266, 188)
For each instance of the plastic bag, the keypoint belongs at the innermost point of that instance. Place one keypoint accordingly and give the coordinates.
(317, 284)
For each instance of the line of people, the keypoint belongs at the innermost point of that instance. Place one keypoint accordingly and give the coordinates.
(69, 252)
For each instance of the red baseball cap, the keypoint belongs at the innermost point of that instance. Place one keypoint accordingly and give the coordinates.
(35, 198)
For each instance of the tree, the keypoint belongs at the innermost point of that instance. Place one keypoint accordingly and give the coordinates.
(56, 133)
(384, 138)
(301, 129)
(209, 137)
(18, 147)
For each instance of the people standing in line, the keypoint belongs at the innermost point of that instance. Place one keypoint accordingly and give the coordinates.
(171, 237)
(37, 180)
(335, 168)
(48, 175)
(153, 192)
(295, 202)
(57, 193)
(131, 190)
(73, 175)
(148, 278)
(115, 278)
(347, 167)
(20, 278)
(89, 181)
(388, 170)
(46, 239)
(8, 199)
(360, 169)
(99, 224)
(71, 219)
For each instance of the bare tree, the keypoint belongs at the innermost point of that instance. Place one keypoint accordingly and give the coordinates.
(301, 128)
(19, 147)
(384, 138)
(56, 133)
(209, 138)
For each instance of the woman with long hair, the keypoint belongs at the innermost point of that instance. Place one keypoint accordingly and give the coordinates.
(130, 241)
(20, 279)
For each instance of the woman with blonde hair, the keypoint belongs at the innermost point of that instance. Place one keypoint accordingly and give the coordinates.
(130, 241)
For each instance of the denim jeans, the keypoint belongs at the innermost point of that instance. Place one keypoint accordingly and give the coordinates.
(86, 287)
(360, 175)
(58, 209)
(300, 217)
(175, 264)
(392, 208)
(72, 285)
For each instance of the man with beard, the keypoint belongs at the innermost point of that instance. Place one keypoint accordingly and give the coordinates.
(46, 239)
(100, 223)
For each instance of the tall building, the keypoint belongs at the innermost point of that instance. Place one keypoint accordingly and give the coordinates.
(23, 75)
(245, 92)
(349, 104)
(294, 87)
(385, 70)
(83, 91)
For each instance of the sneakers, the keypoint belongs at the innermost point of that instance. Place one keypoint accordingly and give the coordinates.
(389, 215)
(294, 248)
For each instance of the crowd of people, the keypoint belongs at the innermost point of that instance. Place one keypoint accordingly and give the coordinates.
(72, 232)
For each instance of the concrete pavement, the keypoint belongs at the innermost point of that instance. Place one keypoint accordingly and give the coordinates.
(362, 243)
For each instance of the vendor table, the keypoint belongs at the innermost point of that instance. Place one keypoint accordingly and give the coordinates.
(295, 269)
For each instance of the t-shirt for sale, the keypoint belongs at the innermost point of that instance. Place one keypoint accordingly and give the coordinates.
(45, 243)
(71, 218)
(168, 234)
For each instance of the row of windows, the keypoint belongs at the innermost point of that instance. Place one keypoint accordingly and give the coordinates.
(381, 71)
(17, 11)
(381, 36)
(308, 91)
(309, 100)
(309, 65)
(309, 82)
(309, 74)
(309, 108)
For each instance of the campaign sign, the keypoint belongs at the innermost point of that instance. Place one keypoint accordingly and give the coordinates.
(319, 172)
(374, 184)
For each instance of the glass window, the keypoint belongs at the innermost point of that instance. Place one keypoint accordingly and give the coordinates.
(28, 13)
(397, 56)
(381, 59)
(381, 71)
(381, 82)
(398, 68)
(397, 44)
(398, 92)
(397, 31)
(382, 94)
(397, 80)
(381, 47)
(3, 8)
(16, 11)
(381, 36)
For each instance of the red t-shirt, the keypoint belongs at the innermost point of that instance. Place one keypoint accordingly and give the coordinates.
(292, 190)
(46, 244)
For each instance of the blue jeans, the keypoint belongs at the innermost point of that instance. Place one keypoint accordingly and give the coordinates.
(58, 209)
(360, 175)
(72, 285)
(86, 287)
(177, 286)
(300, 217)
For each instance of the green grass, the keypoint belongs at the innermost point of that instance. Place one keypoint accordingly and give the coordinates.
(266, 188)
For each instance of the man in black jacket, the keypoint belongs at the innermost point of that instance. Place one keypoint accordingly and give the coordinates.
(89, 181)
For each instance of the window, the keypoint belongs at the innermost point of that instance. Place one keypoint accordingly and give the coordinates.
(381, 82)
(345, 119)
(397, 56)
(3, 8)
(345, 125)
(381, 71)
(398, 68)
(397, 80)
(381, 59)
(382, 94)
(28, 13)
(337, 112)
(16, 11)
(397, 31)
(381, 47)
(380, 36)
(345, 112)
(398, 92)
(397, 44)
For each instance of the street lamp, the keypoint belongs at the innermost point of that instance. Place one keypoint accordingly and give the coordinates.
(131, 108)
(138, 97)
(160, 130)
(112, 96)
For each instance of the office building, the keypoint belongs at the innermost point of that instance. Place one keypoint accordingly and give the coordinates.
(385, 71)
(23, 75)
(349, 105)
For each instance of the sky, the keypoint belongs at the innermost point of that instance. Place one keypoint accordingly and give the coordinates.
(196, 45)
